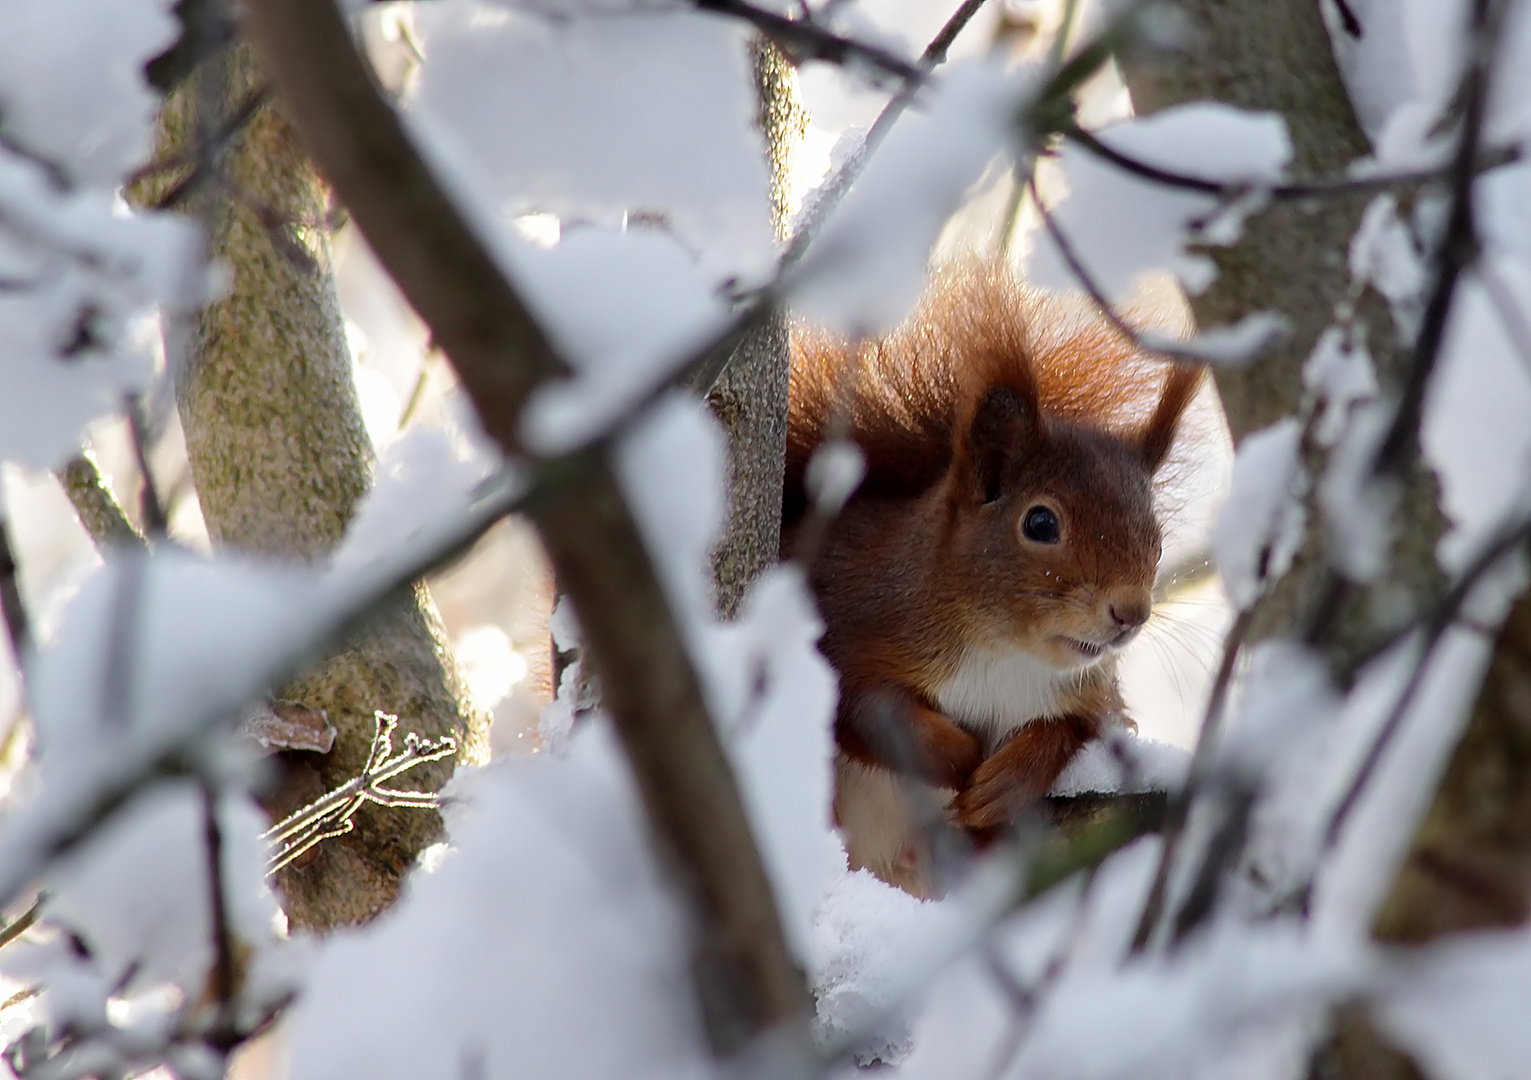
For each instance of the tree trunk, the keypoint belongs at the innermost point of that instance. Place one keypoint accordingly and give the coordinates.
(281, 459)
(1274, 55)
(750, 399)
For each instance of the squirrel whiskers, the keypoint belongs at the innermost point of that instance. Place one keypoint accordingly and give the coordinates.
(1000, 552)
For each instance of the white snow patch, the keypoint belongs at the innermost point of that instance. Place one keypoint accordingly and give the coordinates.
(1122, 227)
(1260, 527)
(868, 265)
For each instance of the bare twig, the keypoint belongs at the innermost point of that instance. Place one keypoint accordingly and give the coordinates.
(12, 607)
(1201, 767)
(151, 507)
(333, 813)
(1459, 246)
(804, 39)
(1316, 189)
(23, 922)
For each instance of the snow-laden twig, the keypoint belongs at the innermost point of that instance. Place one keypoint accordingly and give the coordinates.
(1196, 778)
(1458, 248)
(1091, 287)
(1436, 624)
(829, 193)
(334, 813)
(1312, 189)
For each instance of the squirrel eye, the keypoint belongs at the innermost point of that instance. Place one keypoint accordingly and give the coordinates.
(1040, 524)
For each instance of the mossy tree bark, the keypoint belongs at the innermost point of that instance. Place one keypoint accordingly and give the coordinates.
(281, 459)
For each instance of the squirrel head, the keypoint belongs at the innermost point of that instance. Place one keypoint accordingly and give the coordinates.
(1051, 536)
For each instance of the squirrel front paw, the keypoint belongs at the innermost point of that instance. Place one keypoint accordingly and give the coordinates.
(997, 793)
(1019, 773)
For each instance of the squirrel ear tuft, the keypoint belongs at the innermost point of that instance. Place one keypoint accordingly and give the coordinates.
(1158, 434)
(1004, 424)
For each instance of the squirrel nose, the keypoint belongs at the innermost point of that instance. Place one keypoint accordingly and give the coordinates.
(1128, 616)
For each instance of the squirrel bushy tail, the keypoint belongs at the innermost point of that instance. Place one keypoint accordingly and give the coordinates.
(902, 398)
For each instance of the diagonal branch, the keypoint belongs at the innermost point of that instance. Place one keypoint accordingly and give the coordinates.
(804, 39)
(501, 355)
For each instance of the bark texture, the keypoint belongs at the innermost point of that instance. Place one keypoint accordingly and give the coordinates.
(281, 459)
(96, 504)
(1293, 258)
(750, 399)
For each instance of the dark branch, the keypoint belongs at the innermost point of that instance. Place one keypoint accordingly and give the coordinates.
(1196, 776)
(17, 625)
(208, 154)
(804, 39)
(1092, 287)
(224, 981)
(1458, 248)
(1436, 625)
(1317, 189)
(151, 509)
(749, 979)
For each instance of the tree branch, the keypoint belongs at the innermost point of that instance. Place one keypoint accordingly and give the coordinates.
(804, 39)
(500, 354)
(93, 500)
(17, 625)
(1314, 189)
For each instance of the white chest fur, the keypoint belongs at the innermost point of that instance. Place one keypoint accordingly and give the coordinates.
(1000, 689)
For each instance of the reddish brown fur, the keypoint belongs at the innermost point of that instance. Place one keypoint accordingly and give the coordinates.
(987, 403)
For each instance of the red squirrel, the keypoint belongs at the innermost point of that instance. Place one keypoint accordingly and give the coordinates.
(1000, 552)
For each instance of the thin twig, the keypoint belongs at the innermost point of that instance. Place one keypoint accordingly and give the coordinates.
(1436, 625)
(417, 394)
(151, 508)
(1316, 189)
(804, 39)
(332, 814)
(1092, 287)
(12, 607)
(1459, 247)
(1202, 756)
